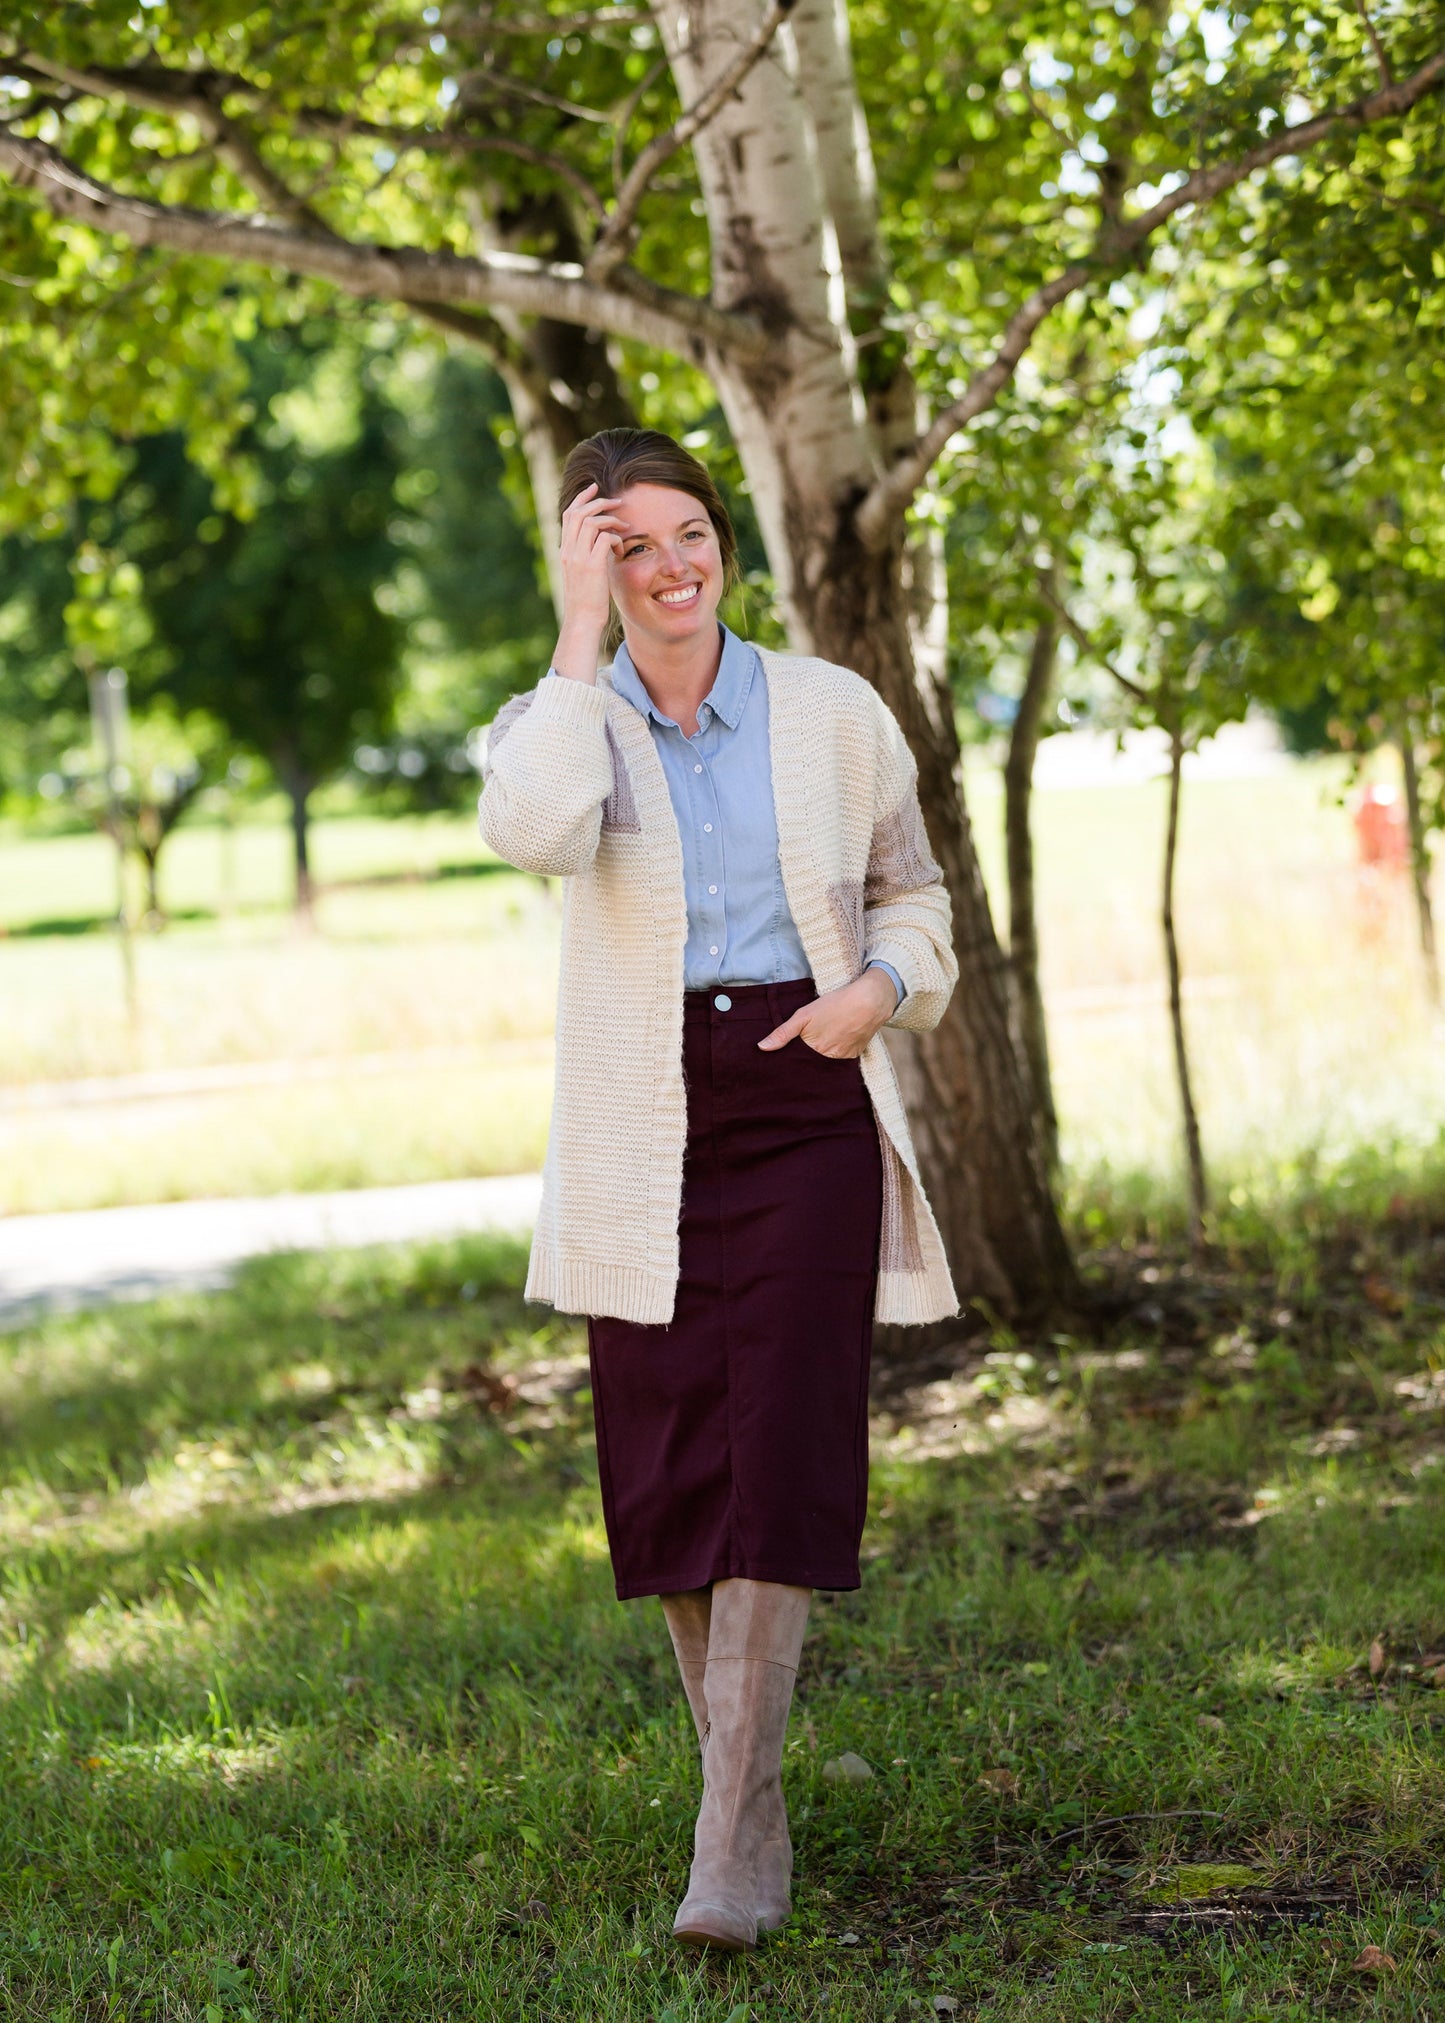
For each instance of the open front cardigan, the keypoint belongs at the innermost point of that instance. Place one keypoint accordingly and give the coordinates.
(573, 788)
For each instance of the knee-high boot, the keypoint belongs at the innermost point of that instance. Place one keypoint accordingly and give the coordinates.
(754, 1640)
(688, 1617)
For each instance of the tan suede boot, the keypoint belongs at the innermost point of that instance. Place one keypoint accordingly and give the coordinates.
(688, 1616)
(755, 1637)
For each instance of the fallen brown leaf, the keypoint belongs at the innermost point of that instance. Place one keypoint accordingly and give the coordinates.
(1373, 1961)
(1003, 1782)
(488, 1391)
(1377, 1658)
(1386, 1298)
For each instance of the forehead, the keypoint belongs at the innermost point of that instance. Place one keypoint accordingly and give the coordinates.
(658, 509)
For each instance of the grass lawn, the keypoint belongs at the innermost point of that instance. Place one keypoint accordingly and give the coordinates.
(315, 1702)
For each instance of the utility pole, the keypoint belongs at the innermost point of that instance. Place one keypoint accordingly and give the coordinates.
(110, 721)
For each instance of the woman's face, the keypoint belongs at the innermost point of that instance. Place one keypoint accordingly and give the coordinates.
(666, 572)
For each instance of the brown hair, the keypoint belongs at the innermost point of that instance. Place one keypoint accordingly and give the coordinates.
(616, 458)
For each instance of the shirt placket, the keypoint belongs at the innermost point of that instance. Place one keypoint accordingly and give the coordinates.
(709, 854)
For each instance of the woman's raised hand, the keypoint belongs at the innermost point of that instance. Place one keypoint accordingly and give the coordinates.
(589, 532)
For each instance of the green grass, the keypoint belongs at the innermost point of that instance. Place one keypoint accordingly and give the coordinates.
(315, 1702)
(68, 882)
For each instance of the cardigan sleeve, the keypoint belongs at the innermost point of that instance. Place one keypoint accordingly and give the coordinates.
(546, 772)
(907, 916)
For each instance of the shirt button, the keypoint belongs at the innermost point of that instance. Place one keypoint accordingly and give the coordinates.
(712, 888)
(723, 1002)
(697, 769)
(707, 828)
(713, 949)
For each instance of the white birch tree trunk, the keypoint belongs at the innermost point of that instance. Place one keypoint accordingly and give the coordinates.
(813, 439)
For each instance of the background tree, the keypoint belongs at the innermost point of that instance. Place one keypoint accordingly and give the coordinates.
(1045, 478)
(1324, 432)
(1153, 616)
(274, 624)
(354, 142)
(44, 710)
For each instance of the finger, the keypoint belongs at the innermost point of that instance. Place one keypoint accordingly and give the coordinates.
(605, 523)
(601, 541)
(788, 1030)
(582, 505)
(585, 537)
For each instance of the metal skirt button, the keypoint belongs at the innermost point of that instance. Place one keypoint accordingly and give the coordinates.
(723, 1001)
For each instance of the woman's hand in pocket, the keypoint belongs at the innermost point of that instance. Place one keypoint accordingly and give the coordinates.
(841, 1022)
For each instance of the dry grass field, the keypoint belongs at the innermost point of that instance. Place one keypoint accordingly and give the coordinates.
(409, 1036)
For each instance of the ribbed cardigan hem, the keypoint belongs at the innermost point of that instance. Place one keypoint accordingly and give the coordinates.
(912, 1299)
(625, 1293)
(621, 1292)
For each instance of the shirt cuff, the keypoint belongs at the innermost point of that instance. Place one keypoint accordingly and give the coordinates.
(890, 972)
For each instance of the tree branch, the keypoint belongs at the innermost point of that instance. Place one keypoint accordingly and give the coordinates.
(890, 496)
(484, 79)
(480, 329)
(1083, 639)
(612, 243)
(1381, 54)
(451, 140)
(200, 93)
(171, 92)
(633, 307)
(459, 23)
(622, 125)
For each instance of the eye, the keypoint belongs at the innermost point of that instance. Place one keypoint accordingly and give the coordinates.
(635, 549)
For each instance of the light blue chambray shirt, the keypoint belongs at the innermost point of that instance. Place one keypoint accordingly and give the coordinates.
(739, 925)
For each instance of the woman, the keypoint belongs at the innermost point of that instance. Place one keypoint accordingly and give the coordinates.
(730, 1194)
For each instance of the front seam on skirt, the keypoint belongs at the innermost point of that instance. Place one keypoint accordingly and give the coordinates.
(732, 1442)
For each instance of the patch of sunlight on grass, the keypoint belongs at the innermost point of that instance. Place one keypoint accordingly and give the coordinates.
(1192, 1881)
(387, 1548)
(189, 1757)
(954, 1417)
(1314, 1667)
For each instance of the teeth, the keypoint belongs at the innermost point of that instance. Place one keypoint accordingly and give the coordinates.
(678, 596)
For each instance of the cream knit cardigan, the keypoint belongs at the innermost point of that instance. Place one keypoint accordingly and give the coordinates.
(573, 788)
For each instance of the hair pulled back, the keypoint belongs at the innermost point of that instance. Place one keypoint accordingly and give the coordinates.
(616, 458)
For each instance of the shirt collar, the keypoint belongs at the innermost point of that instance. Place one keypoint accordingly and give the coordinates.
(726, 698)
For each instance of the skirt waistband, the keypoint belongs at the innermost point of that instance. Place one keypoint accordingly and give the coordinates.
(731, 1003)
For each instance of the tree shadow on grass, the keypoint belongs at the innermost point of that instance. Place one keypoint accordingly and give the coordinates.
(92, 1401)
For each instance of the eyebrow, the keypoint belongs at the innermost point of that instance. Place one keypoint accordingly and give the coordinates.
(697, 520)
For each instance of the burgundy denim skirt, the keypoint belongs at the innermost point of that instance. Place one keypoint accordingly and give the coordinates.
(733, 1442)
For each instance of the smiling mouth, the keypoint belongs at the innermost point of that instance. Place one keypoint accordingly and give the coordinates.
(686, 594)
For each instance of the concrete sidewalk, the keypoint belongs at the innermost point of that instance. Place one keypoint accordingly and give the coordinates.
(51, 1263)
